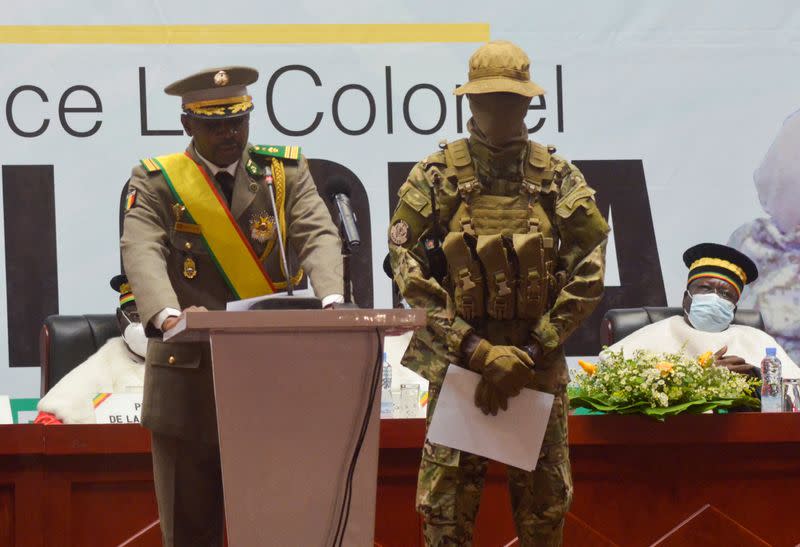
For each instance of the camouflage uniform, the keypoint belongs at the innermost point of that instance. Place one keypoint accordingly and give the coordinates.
(552, 260)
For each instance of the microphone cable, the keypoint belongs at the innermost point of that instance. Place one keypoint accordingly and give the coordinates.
(344, 513)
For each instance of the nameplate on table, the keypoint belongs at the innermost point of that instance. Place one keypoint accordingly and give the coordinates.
(118, 408)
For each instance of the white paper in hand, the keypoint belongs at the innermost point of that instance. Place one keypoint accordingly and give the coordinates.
(513, 437)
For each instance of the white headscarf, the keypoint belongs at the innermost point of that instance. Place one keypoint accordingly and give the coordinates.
(777, 179)
(774, 243)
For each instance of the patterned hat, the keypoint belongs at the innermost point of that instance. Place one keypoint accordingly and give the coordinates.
(720, 262)
(120, 284)
(216, 93)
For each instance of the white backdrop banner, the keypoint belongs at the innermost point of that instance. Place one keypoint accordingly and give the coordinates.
(667, 107)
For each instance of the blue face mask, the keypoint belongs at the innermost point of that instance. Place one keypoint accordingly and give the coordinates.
(710, 312)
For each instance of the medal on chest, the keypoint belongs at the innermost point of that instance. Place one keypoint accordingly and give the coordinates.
(189, 268)
(262, 227)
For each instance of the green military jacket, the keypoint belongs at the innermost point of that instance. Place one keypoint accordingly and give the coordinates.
(178, 392)
(431, 202)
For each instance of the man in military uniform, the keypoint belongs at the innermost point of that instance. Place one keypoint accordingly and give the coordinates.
(200, 231)
(501, 242)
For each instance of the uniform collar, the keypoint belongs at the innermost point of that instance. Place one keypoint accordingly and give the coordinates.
(243, 194)
(230, 169)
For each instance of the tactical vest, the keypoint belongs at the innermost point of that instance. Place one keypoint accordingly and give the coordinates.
(501, 249)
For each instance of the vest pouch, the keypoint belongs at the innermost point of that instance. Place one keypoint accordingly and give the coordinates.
(465, 274)
(534, 275)
(500, 281)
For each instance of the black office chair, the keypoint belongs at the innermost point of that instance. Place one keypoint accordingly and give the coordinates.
(66, 341)
(619, 323)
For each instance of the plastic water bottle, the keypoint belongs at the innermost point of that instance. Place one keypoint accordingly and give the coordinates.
(386, 389)
(771, 390)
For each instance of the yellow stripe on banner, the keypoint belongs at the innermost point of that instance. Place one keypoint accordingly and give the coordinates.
(245, 34)
(227, 244)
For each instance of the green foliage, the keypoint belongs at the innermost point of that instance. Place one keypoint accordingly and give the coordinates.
(661, 385)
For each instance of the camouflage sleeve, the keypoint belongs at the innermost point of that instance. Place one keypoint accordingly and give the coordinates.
(411, 222)
(581, 259)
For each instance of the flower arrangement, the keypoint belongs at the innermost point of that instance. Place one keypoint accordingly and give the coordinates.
(660, 385)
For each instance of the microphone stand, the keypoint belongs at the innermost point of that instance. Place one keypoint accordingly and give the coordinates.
(289, 302)
(346, 255)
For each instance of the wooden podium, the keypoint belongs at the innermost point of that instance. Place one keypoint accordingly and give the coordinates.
(298, 412)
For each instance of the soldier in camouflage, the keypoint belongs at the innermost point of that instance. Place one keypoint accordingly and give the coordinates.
(501, 242)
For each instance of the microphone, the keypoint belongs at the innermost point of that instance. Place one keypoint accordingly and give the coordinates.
(339, 190)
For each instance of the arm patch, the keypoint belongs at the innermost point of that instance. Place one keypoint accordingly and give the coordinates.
(130, 199)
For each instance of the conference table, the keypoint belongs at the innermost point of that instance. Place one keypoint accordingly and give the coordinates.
(635, 481)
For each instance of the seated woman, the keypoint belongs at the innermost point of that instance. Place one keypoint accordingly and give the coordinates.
(117, 367)
(717, 276)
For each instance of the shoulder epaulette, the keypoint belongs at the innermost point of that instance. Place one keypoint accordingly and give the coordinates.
(273, 151)
(150, 166)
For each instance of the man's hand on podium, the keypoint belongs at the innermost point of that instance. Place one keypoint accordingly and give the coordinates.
(170, 322)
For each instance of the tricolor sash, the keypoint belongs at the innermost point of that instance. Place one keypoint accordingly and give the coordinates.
(227, 245)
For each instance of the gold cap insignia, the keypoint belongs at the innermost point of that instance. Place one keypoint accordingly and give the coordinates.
(221, 78)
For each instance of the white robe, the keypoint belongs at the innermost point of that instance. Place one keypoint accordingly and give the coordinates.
(111, 369)
(674, 333)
